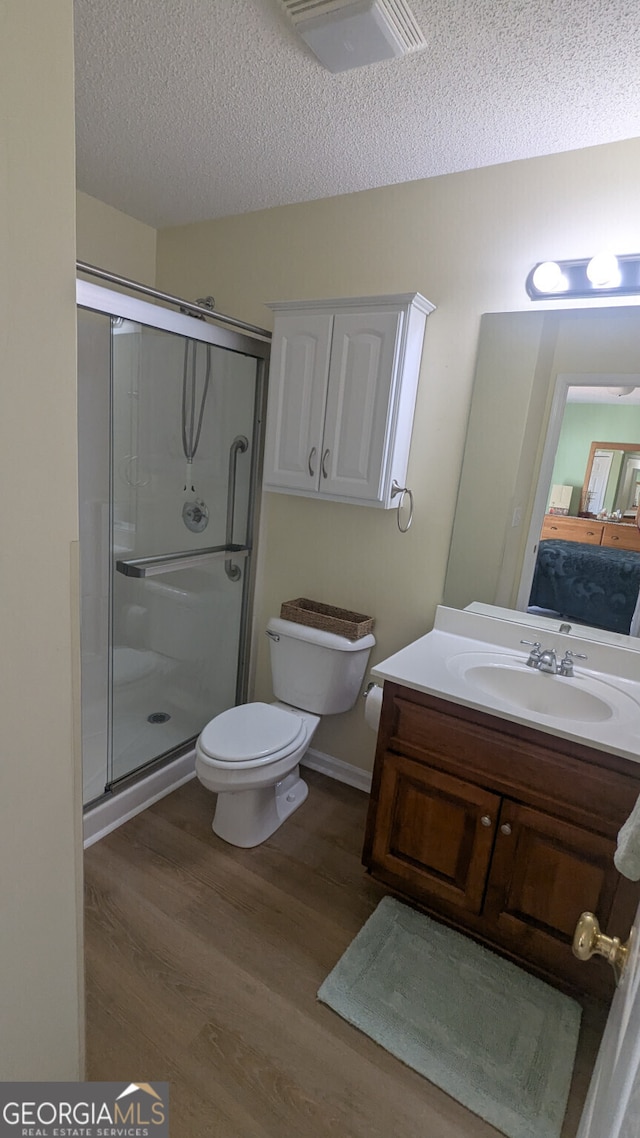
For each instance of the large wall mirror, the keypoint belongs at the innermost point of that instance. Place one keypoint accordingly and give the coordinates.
(550, 486)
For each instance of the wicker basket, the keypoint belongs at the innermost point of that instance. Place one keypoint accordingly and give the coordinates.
(353, 625)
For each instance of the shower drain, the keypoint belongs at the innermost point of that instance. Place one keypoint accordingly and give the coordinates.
(158, 717)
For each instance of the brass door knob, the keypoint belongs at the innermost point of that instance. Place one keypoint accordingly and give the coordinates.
(588, 941)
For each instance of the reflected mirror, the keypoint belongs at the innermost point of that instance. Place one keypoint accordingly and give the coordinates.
(546, 514)
(612, 479)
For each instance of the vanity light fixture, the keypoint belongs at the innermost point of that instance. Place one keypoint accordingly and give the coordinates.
(603, 270)
(549, 277)
(605, 274)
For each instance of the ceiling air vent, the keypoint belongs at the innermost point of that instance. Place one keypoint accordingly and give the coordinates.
(352, 33)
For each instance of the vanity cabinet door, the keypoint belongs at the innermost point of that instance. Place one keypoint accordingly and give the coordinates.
(433, 835)
(545, 872)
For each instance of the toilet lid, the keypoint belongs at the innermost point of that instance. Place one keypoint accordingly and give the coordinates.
(252, 730)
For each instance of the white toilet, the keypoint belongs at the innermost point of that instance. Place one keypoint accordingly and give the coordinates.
(249, 754)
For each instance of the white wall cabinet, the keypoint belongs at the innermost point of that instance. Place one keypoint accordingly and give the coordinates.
(342, 391)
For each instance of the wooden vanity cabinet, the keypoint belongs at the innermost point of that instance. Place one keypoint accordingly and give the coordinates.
(503, 831)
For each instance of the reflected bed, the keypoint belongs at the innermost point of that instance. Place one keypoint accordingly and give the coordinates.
(587, 583)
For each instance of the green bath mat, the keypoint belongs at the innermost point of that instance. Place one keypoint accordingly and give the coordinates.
(498, 1040)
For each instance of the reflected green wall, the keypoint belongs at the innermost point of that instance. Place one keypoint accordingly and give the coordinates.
(584, 423)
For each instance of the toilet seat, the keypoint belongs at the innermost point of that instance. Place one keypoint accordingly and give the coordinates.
(252, 734)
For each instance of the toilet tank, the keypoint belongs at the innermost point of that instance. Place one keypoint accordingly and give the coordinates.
(314, 670)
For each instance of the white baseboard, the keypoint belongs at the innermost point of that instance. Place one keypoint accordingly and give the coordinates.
(336, 768)
(125, 804)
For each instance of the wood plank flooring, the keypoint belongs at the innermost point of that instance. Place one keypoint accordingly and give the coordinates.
(202, 966)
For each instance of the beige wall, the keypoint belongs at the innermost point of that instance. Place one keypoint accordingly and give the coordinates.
(40, 964)
(112, 240)
(467, 242)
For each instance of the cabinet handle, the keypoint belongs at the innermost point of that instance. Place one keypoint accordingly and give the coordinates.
(311, 454)
(505, 829)
(324, 459)
(485, 820)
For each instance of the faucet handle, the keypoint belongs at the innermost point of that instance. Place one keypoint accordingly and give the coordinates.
(535, 653)
(565, 667)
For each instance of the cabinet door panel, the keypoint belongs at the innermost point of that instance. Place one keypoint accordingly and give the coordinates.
(361, 385)
(429, 836)
(297, 395)
(544, 874)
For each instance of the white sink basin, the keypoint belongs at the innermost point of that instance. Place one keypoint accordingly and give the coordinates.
(508, 679)
(479, 661)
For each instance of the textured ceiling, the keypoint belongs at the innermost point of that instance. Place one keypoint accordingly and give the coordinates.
(194, 109)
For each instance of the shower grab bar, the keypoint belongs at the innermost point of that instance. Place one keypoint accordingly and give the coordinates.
(239, 445)
(197, 309)
(170, 562)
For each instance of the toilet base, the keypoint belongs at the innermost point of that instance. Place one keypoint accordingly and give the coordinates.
(247, 818)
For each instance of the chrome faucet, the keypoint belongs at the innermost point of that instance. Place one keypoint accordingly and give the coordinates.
(547, 661)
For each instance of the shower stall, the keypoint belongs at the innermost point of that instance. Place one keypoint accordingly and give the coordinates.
(170, 413)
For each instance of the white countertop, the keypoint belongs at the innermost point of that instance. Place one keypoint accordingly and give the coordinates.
(435, 664)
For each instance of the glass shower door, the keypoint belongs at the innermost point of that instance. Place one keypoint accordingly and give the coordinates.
(182, 474)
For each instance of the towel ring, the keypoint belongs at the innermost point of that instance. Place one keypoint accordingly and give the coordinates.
(402, 491)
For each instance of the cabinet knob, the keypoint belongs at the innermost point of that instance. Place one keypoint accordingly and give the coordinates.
(505, 828)
(485, 820)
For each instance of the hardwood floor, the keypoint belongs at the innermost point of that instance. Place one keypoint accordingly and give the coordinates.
(202, 966)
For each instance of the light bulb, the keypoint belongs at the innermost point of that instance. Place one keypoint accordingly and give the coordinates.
(548, 277)
(603, 270)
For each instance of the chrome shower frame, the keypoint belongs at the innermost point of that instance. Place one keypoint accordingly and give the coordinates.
(239, 337)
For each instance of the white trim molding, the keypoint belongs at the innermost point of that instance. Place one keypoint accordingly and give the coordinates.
(336, 768)
(114, 811)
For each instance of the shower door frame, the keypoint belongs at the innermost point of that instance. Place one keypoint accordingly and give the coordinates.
(105, 301)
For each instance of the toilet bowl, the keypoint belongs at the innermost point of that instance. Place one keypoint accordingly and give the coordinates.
(249, 754)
